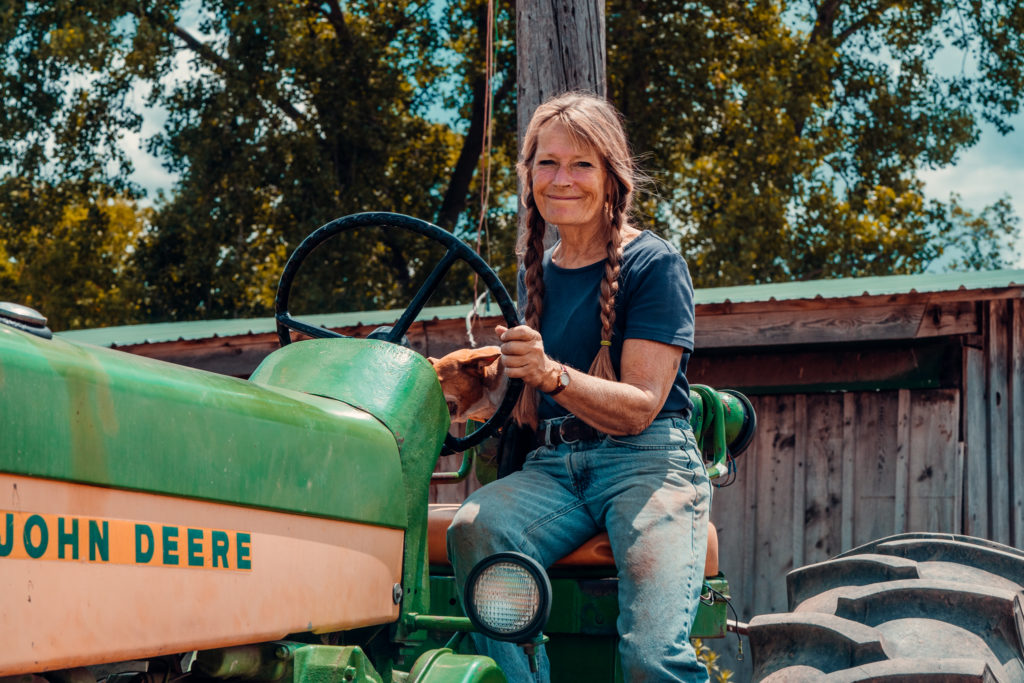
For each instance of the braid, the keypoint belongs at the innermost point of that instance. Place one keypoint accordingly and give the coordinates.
(602, 366)
(525, 412)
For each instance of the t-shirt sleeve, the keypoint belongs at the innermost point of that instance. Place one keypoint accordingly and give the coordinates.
(659, 297)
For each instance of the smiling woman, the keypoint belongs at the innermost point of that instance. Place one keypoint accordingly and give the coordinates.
(609, 322)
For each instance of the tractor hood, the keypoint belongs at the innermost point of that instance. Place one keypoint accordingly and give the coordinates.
(95, 416)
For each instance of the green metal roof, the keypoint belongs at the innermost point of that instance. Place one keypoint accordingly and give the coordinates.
(129, 335)
(154, 333)
(863, 286)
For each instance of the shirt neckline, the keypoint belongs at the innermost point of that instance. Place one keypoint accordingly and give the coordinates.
(596, 264)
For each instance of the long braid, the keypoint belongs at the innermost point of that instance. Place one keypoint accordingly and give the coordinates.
(602, 365)
(525, 412)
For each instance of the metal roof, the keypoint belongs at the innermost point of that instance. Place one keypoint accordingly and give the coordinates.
(154, 333)
(863, 286)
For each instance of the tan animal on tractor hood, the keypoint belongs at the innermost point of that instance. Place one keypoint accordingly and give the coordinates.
(472, 382)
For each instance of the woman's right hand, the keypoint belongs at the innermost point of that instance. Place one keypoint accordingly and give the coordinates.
(522, 354)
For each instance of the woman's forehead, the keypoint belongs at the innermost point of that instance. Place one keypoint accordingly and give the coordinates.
(555, 136)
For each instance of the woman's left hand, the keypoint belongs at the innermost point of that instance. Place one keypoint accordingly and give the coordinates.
(522, 354)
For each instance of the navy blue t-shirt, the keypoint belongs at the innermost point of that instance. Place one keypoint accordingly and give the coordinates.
(654, 301)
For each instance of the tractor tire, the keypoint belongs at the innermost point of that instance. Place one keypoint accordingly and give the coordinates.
(913, 607)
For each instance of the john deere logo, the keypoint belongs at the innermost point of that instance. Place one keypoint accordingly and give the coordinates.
(116, 541)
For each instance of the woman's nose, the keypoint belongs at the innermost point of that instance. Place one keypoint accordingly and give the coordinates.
(562, 176)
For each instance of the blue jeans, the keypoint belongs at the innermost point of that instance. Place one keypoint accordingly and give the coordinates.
(652, 494)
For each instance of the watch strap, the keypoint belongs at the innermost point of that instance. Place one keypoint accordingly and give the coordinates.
(563, 372)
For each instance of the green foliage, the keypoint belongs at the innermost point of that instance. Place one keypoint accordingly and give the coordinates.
(785, 141)
(709, 658)
(798, 130)
(68, 250)
(280, 117)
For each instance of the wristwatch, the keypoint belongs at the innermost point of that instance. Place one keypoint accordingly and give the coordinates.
(563, 381)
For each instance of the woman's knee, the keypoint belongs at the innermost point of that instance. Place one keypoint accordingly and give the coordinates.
(475, 532)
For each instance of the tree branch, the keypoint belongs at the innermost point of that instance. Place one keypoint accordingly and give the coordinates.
(823, 24)
(219, 63)
(455, 197)
(334, 16)
(870, 16)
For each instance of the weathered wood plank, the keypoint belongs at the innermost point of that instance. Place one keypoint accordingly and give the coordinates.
(755, 459)
(874, 466)
(975, 436)
(822, 480)
(849, 453)
(998, 420)
(929, 364)
(903, 449)
(1015, 409)
(741, 330)
(798, 485)
(774, 544)
(951, 318)
(837, 323)
(933, 462)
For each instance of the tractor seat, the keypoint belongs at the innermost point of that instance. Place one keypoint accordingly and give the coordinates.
(594, 554)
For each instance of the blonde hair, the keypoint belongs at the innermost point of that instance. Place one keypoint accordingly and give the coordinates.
(591, 122)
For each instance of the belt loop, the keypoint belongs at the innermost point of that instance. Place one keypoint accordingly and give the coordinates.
(561, 431)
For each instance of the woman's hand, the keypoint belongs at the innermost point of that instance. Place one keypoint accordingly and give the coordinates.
(522, 354)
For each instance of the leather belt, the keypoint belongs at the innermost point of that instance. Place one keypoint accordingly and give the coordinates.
(571, 429)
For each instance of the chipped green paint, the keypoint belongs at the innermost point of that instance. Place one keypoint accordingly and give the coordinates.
(80, 413)
(400, 388)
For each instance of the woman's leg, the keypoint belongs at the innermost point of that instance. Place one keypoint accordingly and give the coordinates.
(656, 512)
(536, 511)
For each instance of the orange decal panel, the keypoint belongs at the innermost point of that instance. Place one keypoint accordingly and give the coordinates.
(82, 566)
(38, 536)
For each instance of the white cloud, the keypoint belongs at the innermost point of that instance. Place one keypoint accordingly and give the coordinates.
(992, 169)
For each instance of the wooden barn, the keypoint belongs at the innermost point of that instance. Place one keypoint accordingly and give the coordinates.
(884, 405)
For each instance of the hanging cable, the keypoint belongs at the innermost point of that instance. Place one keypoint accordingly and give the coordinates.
(485, 162)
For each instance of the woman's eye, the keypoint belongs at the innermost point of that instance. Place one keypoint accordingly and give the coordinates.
(584, 164)
(545, 162)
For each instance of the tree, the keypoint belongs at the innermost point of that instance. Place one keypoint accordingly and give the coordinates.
(280, 117)
(785, 139)
(67, 250)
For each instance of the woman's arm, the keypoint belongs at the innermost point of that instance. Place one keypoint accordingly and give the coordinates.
(648, 370)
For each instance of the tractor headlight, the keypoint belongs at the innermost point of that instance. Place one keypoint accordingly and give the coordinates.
(508, 597)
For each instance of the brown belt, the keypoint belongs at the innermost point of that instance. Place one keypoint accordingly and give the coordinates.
(572, 429)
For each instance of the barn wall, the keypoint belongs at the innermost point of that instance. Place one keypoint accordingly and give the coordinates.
(993, 426)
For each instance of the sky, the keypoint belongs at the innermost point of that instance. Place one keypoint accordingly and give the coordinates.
(991, 169)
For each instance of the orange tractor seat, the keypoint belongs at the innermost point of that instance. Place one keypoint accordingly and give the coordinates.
(597, 552)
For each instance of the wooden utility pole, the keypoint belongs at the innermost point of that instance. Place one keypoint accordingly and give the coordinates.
(560, 47)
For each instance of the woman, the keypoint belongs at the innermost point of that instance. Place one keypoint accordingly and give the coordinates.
(603, 353)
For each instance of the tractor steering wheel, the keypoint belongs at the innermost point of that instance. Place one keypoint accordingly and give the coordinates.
(457, 250)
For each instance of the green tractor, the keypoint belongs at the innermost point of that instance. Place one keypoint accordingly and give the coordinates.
(162, 523)
(165, 524)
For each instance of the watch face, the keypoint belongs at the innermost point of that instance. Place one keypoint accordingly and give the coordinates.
(563, 379)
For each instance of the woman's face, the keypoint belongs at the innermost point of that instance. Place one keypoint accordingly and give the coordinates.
(569, 182)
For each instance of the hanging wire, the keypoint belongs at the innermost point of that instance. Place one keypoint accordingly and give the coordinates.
(485, 167)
